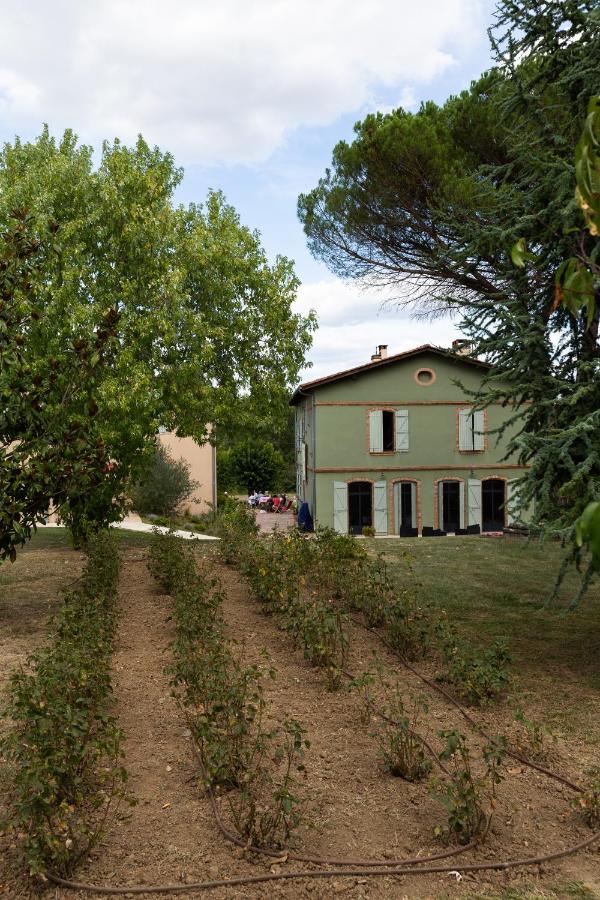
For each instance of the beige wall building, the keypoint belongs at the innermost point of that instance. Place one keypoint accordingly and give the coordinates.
(201, 458)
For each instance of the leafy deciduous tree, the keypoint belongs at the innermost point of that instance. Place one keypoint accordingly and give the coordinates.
(256, 464)
(51, 446)
(204, 317)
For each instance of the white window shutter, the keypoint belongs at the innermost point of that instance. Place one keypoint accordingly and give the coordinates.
(440, 502)
(465, 429)
(478, 430)
(340, 507)
(461, 504)
(474, 501)
(303, 460)
(511, 500)
(401, 421)
(397, 506)
(376, 431)
(380, 507)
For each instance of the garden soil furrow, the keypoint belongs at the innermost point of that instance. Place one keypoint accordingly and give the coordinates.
(361, 811)
(354, 808)
(170, 835)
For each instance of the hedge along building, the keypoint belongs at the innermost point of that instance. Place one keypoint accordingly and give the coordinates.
(397, 445)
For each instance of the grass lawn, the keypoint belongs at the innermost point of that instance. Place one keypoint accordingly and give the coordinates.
(31, 589)
(492, 587)
(57, 539)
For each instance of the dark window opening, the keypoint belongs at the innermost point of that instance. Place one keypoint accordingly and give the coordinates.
(450, 506)
(492, 504)
(388, 430)
(406, 510)
(360, 506)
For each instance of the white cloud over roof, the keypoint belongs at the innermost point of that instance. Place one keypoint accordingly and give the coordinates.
(352, 322)
(218, 82)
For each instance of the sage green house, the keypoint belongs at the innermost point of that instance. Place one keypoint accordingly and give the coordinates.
(396, 444)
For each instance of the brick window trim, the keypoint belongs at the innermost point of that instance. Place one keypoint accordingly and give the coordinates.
(370, 481)
(377, 453)
(505, 480)
(392, 508)
(429, 372)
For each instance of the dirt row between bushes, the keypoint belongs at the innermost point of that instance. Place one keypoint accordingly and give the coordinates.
(354, 809)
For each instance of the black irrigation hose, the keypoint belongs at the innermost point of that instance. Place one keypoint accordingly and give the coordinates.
(327, 861)
(319, 873)
(472, 722)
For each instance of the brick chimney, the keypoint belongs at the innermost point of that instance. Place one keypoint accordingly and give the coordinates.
(462, 347)
(380, 353)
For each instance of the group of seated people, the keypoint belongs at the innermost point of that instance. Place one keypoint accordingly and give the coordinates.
(276, 503)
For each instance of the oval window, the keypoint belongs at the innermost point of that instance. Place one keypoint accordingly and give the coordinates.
(425, 376)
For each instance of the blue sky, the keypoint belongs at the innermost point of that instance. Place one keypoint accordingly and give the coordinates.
(250, 97)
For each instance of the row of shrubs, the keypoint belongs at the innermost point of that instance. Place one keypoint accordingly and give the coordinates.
(304, 581)
(63, 750)
(311, 582)
(225, 705)
(301, 578)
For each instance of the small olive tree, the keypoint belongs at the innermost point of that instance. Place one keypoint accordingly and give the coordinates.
(165, 485)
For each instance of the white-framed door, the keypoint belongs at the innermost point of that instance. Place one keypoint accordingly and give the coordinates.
(405, 504)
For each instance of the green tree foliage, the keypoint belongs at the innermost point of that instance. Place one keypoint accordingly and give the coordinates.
(205, 318)
(164, 485)
(273, 424)
(51, 444)
(431, 204)
(256, 465)
(226, 480)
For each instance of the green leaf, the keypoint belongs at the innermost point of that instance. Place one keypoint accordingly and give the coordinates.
(519, 253)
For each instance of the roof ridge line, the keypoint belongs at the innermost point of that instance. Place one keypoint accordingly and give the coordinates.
(375, 364)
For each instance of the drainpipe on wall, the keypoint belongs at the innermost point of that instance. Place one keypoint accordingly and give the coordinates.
(314, 449)
(314, 458)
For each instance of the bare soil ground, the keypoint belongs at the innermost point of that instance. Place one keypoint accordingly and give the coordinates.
(354, 809)
(30, 591)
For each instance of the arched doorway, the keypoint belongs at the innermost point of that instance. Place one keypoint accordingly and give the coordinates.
(360, 506)
(450, 505)
(493, 500)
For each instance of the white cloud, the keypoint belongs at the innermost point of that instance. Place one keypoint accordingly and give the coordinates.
(353, 322)
(219, 82)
